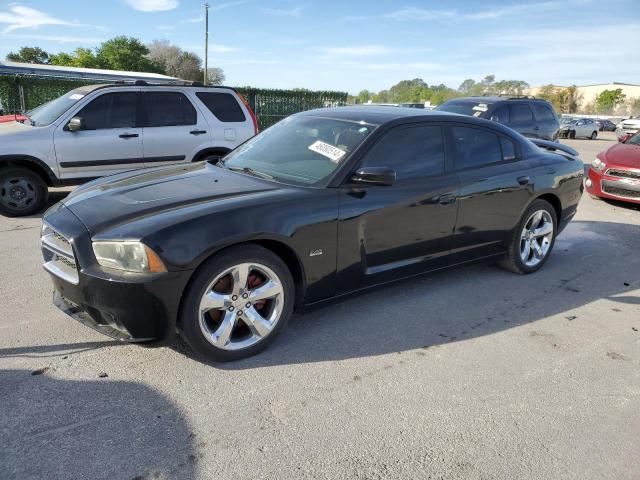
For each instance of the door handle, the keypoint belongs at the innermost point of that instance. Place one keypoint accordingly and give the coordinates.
(524, 180)
(128, 135)
(446, 199)
(197, 132)
(536, 128)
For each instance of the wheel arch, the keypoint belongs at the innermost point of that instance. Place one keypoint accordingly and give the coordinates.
(205, 152)
(555, 202)
(30, 163)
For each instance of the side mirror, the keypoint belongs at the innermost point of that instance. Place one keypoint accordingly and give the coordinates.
(381, 176)
(494, 119)
(75, 124)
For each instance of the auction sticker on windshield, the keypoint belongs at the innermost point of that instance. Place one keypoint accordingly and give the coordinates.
(332, 153)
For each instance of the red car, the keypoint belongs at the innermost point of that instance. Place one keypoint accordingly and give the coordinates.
(615, 173)
(11, 118)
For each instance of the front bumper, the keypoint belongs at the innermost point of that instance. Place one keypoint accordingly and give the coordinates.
(608, 186)
(128, 308)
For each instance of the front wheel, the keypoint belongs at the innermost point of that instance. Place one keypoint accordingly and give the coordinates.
(22, 192)
(237, 303)
(533, 239)
(594, 135)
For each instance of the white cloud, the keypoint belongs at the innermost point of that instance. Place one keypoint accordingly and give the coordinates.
(222, 6)
(357, 51)
(281, 12)
(217, 48)
(198, 19)
(19, 17)
(152, 5)
(58, 38)
(165, 28)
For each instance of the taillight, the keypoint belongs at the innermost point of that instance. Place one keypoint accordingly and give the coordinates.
(253, 115)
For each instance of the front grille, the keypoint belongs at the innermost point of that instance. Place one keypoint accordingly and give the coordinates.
(614, 172)
(58, 256)
(620, 192)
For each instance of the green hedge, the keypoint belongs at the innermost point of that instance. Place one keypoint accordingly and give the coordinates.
(269, 105)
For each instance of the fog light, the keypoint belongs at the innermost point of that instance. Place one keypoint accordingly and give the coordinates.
(588, 183)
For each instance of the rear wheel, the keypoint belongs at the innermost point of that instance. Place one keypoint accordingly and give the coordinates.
(533, 239)
(594, 135)
(237, 303)
(22, 192)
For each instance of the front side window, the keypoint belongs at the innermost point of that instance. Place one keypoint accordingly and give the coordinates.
(301, 149)
(169, 109)
(413, 152)
(501, 115)
(111, 110)
(475, 147)
(521, 114)
(224, 106)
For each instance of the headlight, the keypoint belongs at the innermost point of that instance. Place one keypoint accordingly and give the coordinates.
(598, 164)
(128, 256)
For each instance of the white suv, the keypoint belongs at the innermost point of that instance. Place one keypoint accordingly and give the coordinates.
(105, 129)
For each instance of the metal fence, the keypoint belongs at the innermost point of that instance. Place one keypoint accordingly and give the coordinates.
(19, 94)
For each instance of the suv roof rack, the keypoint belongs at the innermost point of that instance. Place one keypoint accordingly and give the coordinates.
(177, 83)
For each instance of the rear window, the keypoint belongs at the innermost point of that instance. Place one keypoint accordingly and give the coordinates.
(224, 106)
(542, 112)
(465, 107)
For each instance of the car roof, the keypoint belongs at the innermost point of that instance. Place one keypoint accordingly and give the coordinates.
(378, 115)
(497, 98)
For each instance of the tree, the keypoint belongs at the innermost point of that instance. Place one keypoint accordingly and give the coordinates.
(364, 96)
(126, 53)
(175, 61)
(29, 55)
(215, 76)
(467, 86)
(609, 99)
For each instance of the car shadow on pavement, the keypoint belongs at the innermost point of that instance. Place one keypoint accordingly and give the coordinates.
(590, 261)
(38, 351)
(105, 429)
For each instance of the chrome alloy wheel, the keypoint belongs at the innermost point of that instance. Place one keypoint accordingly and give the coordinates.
(536, 238)
(241, 306)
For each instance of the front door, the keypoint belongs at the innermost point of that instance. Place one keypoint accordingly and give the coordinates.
(388, 232)
(110, 140)
(174, 131)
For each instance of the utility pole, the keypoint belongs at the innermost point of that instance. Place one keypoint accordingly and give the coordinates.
(206, 42)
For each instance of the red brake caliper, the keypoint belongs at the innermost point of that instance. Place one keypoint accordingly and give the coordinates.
(254, 281)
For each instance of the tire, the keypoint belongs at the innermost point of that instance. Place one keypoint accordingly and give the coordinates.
(214, 291)
(594, 135)
(572, 134)
(518, 244)
(22, 192)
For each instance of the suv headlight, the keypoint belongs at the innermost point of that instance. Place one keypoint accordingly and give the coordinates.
(598, 164)
(129, 256)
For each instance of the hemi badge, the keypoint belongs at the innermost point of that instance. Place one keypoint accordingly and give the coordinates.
(315, 253)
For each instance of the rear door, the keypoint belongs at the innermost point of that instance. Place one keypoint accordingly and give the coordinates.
(109, 142)
(231, 124)
(174, 130)
(394, 231)
(496, 185)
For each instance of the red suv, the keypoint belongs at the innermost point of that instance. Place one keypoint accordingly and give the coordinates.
(615, 173)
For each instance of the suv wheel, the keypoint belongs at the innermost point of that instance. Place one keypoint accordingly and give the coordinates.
(237, 303)
(532, 239)
(22, 192)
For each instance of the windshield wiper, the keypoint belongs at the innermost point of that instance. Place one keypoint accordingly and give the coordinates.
(251, 171)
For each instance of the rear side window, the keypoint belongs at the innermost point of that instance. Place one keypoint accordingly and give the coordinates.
(520, 114)
(475, 147)
(508, 149)
(168, 109)
(224, 106)
(543, 113)
(111, 110)
(411, 151)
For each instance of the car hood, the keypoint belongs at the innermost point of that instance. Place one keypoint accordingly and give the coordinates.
(125, 197)
(624, 155)
(11, 127)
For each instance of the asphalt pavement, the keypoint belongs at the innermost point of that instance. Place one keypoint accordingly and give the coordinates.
(473, 373)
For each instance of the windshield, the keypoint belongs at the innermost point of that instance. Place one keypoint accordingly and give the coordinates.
(635, 140)
(567, 121)
(302, 150)
(464, 107)
(49, 112)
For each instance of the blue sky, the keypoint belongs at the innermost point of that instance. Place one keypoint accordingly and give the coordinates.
(351, 45)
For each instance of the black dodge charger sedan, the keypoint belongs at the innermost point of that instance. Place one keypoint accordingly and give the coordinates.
(323, 204)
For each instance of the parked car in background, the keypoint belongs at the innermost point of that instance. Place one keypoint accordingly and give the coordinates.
(579, 128)
(322, 204)
(18, 117)
(105, 129)
(615, 173)
(626, 127)
(605, 125)
(529, 116)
